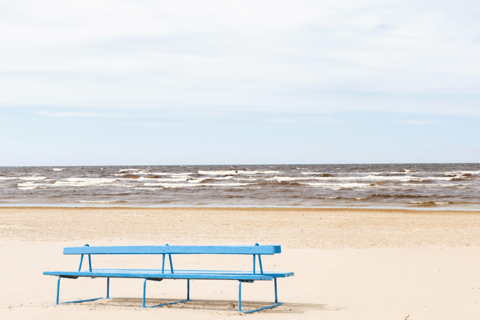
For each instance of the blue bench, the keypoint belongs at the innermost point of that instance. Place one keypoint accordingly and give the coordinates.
(170, 273)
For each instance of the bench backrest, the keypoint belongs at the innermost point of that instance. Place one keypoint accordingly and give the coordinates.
(167, 251)
(257, 250)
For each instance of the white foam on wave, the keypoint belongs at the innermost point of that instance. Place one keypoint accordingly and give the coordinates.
(27, 186)
(83, 182)
(181, 174)
(317, 173)
(33, 178)
(23, 178)
(237, 172)
(70, 182)
(430, 202)
(106, 201)
(365, 173)
(188, 185)
(461, 172)
(370, 177)
(337, 186)
(172, 179)
(218, 178)
(172, 173)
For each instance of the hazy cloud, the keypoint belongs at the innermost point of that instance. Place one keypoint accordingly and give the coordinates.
(80, 114)
(418, 122)
(300, 120)
(268, 56)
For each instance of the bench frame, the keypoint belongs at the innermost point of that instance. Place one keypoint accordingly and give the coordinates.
(170, 274)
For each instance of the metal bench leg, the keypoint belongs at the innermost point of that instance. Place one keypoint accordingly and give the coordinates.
(276, 304)
(58, 289)
(164, 304)
(276, 297)
(108, 288)
(144, 291)
(77, 301)
(240, 296)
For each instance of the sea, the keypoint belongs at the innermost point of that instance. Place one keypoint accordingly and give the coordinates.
(440, 186)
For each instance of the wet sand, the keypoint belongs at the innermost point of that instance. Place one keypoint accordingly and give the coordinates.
(348, 263)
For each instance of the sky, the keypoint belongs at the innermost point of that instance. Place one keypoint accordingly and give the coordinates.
(238, 82)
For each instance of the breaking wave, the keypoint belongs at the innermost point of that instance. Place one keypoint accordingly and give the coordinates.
(449, 185)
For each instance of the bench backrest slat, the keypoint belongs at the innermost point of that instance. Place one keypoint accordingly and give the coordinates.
(263, 249)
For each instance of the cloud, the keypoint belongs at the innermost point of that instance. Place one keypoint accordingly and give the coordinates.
(268, 56)
(80, 114)
(300, 120)
(418, 122)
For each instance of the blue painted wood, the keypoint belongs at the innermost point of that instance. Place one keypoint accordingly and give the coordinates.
(268, 273)
(264, 249)
(159, 275)
(183, 272)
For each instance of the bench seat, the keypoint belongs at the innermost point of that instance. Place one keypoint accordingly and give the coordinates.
(178, 274)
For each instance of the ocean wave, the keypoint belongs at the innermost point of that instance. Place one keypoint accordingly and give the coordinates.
(9, 178)
(236, 172)
(130, 170)
(321, 174)
(382, 185)
(188, 185)
(104, 201)
(430, 203)
(472, 172)
(173, 173)
(179, 179)
(23, 178)
(370, 178)
(83, 182)
(71, 182)
(133, 171)
(246, 179)
(399, 196)
(336, 186)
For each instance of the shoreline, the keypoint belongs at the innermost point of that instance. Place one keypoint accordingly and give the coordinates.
(237, 208)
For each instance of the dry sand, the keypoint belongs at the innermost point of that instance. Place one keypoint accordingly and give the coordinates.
(348, 264)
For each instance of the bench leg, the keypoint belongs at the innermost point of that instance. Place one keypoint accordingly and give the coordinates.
(77, 301)
(58, 289)
(163, 304)
(144, 291)
(276, 297)
(240, 296)
(108, 288)
(276, 304)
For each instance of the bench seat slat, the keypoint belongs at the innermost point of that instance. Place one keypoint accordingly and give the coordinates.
(177, 272)
(160, 275)
(263, 249)
(275, 274)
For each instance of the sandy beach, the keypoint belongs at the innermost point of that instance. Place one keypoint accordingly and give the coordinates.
(348, 263)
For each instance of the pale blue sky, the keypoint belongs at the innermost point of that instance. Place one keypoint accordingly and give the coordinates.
(227, 82)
